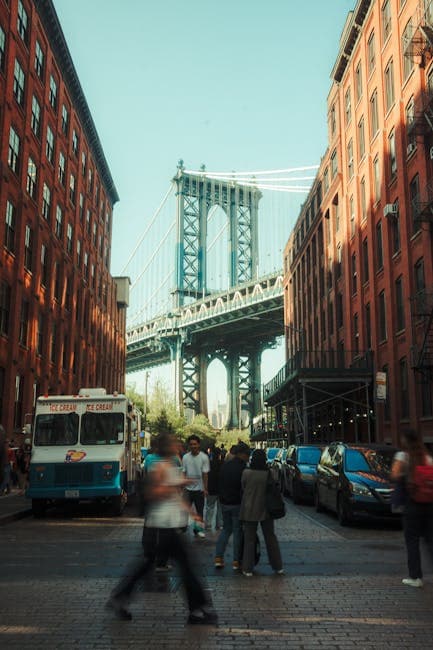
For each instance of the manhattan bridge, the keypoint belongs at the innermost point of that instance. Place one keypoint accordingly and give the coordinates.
(207, 282)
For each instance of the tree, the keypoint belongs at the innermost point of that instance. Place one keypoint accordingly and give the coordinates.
(201, 427)
(229, 438)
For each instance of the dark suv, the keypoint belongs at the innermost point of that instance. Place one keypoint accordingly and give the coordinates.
(300, 471)
(354, 479)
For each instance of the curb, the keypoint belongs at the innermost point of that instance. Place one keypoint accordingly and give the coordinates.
(14, 516)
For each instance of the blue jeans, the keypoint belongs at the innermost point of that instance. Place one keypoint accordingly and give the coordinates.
(231, 524)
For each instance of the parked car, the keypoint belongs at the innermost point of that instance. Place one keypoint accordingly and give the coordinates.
(354, 480)
(277, 466)
(299, 471)
(271, 452)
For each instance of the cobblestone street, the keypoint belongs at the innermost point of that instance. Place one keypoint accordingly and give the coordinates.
(342, 589)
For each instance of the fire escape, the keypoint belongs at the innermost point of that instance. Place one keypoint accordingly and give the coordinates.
(419, 47)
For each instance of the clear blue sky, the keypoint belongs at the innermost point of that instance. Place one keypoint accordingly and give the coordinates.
(235, 84)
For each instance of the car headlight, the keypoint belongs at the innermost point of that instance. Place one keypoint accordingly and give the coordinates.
(360, 489)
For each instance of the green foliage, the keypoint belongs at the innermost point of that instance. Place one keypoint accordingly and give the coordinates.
(229, 438)
(202, 428)
(134, 396)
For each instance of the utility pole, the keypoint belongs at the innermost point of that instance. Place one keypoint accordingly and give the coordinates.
(146, 378)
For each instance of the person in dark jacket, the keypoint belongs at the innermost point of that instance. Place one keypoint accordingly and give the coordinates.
(230, 495)
(213, 506)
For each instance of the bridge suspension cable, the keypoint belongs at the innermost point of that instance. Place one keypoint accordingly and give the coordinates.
(154, 254)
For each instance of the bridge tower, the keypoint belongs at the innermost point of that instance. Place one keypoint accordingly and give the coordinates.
(195, 196)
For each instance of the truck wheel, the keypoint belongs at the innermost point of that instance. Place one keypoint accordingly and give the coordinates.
(118, 504)
(39, 508)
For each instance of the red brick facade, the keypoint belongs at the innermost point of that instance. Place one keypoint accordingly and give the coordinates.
(61, 326)
(359, 264)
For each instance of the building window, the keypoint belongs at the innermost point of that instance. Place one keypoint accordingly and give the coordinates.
(50, 145)
(419, 275)
(95, 233)
(19, 82)
(90, 180)
(368, 326)
(399, 304)
(404, 392)
(392, 154)
(61, 168)
(332, 120)
(2, 48)
(379, 246)
(59, 222)
(376, 173)
(69, 234)
(75, 142)
(348, 105)
(52, 97)
(408, 59)
(358, 81)
(386, 20)
(32, 176)
(10, 227)
(39, 60)
(387, 405)
(389, 86)
(334, 163)
(35, 121)
(40, 335)
(395, 230)
(72, 189)
(382, 317)
(44, 265)
(57, 282)
(5, 306)
(410, 119)
(46, 202)
(339, 261)
(88, 222)
(78, 253)
(371, 53)
(83, 163)
(65, 120)
(365, 270)
(53, 342)
(24, 320)
(14, 150)
(23, 23)
(81, 207)
(352, 216)
(28, 248)
(354, 274)
(350, 165)
(330, 318)
(68, 294)
(374, 114)
(361, 138)
(363, 199)
(414, 196)
(355, 334)
(326, 180)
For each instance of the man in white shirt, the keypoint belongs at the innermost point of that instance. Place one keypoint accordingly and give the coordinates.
(196, 467)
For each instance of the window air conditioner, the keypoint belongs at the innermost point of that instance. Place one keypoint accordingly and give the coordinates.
(410, 148)
(390, 209)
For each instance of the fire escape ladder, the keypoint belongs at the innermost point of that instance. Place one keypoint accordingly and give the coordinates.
(422, 205)
(425, 359)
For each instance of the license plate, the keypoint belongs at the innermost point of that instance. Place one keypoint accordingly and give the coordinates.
(72, 494)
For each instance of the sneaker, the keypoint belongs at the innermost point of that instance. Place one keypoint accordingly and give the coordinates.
(236, 566)
(117, 606)
(200, 533)
(412, 582)
(280, 572)
(199, 617)
(219, 563)
(247, 574)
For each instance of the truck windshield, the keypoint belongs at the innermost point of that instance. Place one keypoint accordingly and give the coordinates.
(55, 429)
(102, 429)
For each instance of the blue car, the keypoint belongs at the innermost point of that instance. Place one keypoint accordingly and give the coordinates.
(300, 471)
(353, 480)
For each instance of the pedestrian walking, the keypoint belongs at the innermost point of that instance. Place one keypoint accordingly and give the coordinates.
(230, 494)
(213, 505)
(165, 516)
(253, 510)
(22, 468)
(408, 468)
(7, 463)
(196, 467)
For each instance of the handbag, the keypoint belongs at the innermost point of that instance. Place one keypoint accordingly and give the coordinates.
(273, 500)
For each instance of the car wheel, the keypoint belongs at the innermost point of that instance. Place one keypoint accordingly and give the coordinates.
(317, 503)
(39, 508)
(343, 515)
(296, 494)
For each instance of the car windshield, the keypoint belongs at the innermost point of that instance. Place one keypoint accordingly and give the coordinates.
(56, 429)
(309, 456)
(102, 429)
(369, 460)
(272, 452)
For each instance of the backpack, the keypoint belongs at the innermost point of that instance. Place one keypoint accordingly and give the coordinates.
(273, 500)
(421, 484)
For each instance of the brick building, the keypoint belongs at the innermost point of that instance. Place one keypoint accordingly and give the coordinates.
(359, 263)
(62, 317)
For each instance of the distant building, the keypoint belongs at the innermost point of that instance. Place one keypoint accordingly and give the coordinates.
(359, 263)
(62, 315)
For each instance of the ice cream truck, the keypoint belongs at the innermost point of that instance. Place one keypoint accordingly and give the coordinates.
(84, 448)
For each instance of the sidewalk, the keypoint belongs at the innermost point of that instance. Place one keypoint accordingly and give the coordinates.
(14, 506)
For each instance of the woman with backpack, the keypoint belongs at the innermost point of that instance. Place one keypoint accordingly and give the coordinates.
(412, 471)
